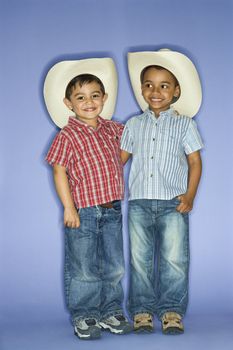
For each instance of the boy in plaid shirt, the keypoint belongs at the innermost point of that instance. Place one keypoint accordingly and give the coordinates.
(88, 175)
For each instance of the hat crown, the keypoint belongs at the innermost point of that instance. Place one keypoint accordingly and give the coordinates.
(177, 63)
(63, 72)
(164, 49)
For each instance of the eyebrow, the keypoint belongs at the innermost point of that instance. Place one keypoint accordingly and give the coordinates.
(82, 94)
(162, 82)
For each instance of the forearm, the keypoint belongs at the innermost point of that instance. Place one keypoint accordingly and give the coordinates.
(195, 170)
(62, 186)
(125, 156)
(71, 216)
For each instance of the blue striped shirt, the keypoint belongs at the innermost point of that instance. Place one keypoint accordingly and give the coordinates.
(159, 146)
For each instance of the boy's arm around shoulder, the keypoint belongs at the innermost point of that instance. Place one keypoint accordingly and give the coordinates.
(126, 144)
(71, 216)
(195, 169)
(125, 156)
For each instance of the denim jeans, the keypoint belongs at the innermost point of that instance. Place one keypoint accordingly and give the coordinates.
(94, 263)
(159, 238)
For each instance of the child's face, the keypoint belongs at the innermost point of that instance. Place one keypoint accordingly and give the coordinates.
(159, 89)
(86, 101)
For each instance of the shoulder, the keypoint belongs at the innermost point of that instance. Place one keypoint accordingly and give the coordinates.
(135, 120)
(68, 135)
(181, 121)
(184, 119)
(114, 126)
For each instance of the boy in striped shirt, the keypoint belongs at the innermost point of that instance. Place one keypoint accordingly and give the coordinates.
(88, 176)
(163, 181)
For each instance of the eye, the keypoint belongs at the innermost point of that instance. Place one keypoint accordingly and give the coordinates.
(80, 98)
(164, 86)
(148, 85)
(95, 96)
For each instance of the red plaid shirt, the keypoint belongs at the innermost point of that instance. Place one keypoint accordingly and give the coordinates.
(92, 159)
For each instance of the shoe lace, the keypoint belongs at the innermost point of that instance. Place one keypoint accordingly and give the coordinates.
(90, 321)
(143, 319)
(120, 317)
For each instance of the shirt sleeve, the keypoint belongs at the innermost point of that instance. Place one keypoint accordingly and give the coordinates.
(60, 151)
(192, 140)
(120, 128)
(127, 140)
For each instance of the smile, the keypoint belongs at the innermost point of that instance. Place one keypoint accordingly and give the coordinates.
(91, 109)
(153, 99)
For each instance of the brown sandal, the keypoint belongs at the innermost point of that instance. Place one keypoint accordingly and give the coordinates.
(143, 323)
(172, 323)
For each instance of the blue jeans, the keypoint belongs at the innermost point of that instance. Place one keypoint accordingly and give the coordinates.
(159, 238)
(94, 263)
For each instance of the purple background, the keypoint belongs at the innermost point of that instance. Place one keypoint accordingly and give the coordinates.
(34, 34)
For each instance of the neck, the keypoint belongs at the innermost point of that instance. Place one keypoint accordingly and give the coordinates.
(92, 122)
(157, 112)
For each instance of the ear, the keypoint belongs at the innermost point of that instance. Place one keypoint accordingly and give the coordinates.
(177, 91)
(105, 97)
(68, 103)
(141, 90)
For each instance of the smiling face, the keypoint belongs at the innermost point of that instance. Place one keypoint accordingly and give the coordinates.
(159, 87)
(86, 102)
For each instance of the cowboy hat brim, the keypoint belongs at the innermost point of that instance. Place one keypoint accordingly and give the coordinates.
(63, 72)
(183, 69)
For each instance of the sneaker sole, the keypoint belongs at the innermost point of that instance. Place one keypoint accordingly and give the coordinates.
(173, 331)
(114, 330)
(92, 336)
(145, 329)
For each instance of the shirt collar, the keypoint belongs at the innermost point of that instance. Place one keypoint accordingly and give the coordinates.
(76, 123)
(164, 114)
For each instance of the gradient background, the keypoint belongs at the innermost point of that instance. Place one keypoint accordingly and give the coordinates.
(34, 34)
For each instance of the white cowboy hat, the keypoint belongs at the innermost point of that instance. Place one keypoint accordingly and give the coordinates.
(63, 72)
(183, 69)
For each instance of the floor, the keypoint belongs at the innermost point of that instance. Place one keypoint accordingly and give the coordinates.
(207, 332)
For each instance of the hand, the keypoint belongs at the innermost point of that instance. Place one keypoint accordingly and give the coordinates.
(186, 203)
(71, 218)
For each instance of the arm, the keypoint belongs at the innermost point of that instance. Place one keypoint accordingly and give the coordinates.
(125, 156)
(71, 216)
(195, 168)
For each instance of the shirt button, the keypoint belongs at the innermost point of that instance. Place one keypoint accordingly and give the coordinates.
(153, 139)
(152, 157)
(151, 175)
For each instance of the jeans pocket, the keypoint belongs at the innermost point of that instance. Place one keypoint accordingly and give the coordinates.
(116, 206)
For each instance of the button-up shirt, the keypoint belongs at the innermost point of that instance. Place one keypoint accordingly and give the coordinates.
(92, 159)
(159, 146)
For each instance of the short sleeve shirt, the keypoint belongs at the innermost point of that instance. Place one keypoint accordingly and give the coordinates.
(92, 160)
(159, 146)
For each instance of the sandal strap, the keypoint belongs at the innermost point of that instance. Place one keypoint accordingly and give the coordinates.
(172, 319)
(143, 319)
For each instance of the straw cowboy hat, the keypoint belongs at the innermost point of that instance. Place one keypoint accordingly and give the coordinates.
(63, 72)
(180, 65)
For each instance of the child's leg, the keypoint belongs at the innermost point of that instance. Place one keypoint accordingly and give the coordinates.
(142, 298)
(82, 277)
(173, 260)
(112, 260)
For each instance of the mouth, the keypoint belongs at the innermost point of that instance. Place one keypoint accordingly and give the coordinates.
(155, 99)
(90, 109)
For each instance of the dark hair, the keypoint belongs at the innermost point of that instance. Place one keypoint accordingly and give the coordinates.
(159, 68)
(83, 79)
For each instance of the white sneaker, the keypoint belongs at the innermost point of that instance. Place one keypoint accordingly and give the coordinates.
(117, 324)
(87, 328)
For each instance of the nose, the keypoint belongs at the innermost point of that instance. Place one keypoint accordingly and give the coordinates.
(156, 89)
(89, 100)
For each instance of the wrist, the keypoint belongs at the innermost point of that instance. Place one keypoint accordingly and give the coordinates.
(190, 195)
(69, 207)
